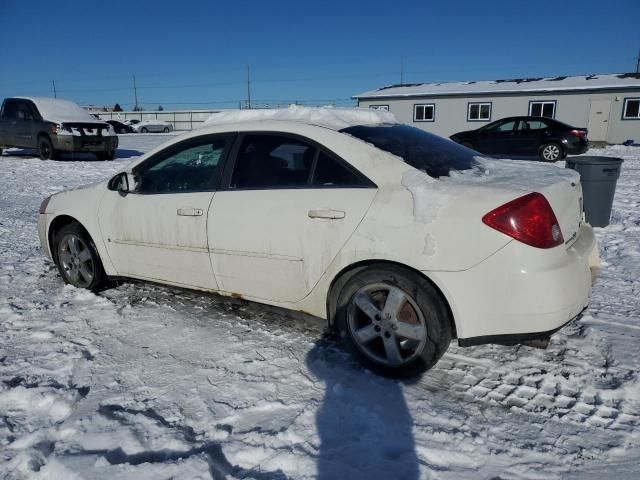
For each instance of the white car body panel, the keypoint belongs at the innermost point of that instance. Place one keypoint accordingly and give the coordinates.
(262, 245)
(158, 237)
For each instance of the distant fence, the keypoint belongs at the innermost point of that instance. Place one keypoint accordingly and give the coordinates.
(180, 119)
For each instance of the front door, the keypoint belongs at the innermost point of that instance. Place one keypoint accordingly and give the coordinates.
(159, 231)
(498, 138)
(598, 126)
(287, 209)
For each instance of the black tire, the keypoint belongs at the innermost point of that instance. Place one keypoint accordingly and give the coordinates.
(421, 308)
(144, 130)
(110, 155)
(0, 152)
(80, 267)
(45, 148)
(468, 145)
(166, 130)
(551, 152)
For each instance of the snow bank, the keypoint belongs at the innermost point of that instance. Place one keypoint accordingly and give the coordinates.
(330, 117)
(60, 111)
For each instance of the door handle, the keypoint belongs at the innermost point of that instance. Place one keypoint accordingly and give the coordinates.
(190, 212)
(326, 213)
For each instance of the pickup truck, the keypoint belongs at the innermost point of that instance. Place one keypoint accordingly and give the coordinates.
(53, 126)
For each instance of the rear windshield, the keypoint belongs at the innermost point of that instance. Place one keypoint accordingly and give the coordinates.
(436, 156)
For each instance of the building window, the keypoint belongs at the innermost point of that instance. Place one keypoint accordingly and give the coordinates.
(479, 112)
(631, 109)
(424, 112)
(379, 107)
(542, 109)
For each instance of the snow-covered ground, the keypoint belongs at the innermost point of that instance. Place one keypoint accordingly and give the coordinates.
(144, 381)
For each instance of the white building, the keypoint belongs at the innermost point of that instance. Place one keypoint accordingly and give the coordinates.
(608, 105)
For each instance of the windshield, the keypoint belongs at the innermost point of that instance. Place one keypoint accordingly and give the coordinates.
(436, 156)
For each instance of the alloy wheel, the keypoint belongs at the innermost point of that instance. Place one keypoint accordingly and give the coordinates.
(386, 325)
(551, 152)
(76, 261)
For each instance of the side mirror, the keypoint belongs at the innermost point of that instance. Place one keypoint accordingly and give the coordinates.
(123, 183)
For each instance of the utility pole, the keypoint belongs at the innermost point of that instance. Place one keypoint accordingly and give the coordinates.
(401, 70)
(55, 94)
(638, 63)
(248, 87)
(135, 93)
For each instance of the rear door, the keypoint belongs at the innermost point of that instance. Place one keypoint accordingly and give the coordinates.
(286, 208)
(159, 232)
(24, 126)
(530, 136)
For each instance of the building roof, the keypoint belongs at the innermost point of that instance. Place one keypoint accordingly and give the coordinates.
(517, 85)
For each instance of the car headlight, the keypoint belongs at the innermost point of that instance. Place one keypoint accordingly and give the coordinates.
(45, 204)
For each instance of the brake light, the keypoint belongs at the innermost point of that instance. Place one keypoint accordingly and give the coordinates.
(579, 133)
(528, 219)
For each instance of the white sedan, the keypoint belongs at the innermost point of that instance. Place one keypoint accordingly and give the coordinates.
(147, 126)
(402, 240)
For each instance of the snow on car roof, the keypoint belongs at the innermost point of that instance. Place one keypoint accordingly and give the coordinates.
(329, 117)
(541, 84)
(59, 111)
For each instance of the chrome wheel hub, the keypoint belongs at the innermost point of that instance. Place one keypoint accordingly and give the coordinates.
(386, 324)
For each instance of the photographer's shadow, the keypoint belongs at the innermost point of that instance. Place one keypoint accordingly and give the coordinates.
(364, 425)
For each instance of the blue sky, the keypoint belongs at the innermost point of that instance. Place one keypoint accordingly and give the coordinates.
(195, 53)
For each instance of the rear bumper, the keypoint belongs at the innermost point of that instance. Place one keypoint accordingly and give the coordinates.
(520, 290)
(75, 143)
(572, 148)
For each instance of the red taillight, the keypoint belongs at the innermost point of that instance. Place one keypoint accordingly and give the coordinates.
(579, 133)
(529, 219)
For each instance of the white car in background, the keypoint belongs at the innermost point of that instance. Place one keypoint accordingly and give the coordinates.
(148, 126)
(401, 239)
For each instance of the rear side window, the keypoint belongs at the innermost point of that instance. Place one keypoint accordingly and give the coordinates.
(330, 172)
(433, 155)
(271, 161)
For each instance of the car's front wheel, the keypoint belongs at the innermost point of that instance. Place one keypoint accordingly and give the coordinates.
(393, 320)
(166, 130)
(77, 258)
(144, 130)
(551, 152)
(45, 149)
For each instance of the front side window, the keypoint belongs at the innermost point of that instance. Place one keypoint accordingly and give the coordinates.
(631, 109)
(542, 109)
(190, 167)
(272, 161)
(479, 112)
(424, 113)
(434, 155)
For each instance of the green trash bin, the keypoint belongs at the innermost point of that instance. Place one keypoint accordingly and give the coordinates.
(598, 176)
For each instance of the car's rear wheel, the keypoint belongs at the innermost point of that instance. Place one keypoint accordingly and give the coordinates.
(166, 130)
(393, 320)
(467, 144)
(45, 148)
(77, 258)
(551, 152)
(144, 130)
